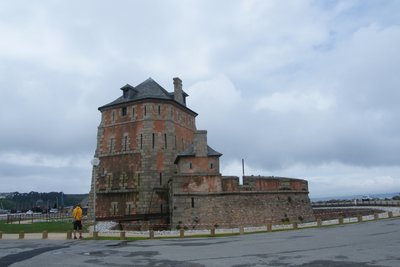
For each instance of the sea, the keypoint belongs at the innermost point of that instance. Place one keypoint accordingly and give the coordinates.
(350, 197)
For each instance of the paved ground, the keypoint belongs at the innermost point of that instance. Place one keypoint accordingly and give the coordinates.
(375, 243)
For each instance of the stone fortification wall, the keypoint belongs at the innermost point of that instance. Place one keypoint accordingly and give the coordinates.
(204, 200)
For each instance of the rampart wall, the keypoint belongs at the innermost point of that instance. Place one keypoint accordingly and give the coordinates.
(201, 200)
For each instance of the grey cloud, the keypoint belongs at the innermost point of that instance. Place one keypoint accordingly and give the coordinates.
(327, 74)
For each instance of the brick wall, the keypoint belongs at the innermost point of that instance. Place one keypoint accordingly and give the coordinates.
(137, 145)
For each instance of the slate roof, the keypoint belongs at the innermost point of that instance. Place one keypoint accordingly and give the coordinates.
(189, 152)
(149, 89)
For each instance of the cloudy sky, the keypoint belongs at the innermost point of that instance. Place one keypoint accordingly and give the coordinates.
(306, 89)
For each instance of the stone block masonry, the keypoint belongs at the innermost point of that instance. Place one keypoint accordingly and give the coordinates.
(263, 200)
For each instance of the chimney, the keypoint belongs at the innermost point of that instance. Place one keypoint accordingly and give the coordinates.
(178, 92)
(200, 143)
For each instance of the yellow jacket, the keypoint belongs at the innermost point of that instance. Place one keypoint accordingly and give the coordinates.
(77, 213)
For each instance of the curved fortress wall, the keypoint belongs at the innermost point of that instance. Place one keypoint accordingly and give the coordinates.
(202, 201)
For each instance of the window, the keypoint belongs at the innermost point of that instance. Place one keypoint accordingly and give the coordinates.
(125, 143)
(211, 166)
(114, 207)
(153, 140)
(123, 111)
(192, 202)
(112, 144)
(145, 110)
(190, 165)
(160, 178)
(165, 141)
(159, 110)
(138, 179)
(141, 141)
(129, 209)
(109, 181)
(133, 113)
(113, 116)
(175, 143)
(124, 180)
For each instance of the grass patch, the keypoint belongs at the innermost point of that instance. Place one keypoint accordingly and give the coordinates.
(37, 227)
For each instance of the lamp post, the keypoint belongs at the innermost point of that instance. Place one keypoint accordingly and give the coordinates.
(95, 162)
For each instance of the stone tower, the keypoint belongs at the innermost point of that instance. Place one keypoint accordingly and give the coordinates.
(156, 167)
(138, 139)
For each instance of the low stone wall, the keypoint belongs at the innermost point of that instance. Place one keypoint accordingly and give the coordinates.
(231, 209)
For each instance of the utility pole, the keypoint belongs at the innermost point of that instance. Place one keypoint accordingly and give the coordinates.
(243, 167)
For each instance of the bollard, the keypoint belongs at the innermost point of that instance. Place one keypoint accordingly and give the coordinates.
(212, 231)
(151, 234)
(359, 218)
(319, 222)
(181, 233)
(295, 226)
(45, 235)
(241, 230)
(122, 235)
(376, 216)
(21, 235)
(95, 235)
(390, 214)
(269, 227)
(341, 220)
(69, 234)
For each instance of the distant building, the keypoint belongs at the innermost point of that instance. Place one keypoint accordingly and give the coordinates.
(156, 166)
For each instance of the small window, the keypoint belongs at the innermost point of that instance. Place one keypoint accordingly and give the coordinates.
(165, 141)
(114, 208)
(109, 181)
(141, 141)
(192, 202)
(123, 111)
(112, 142)
(133, 113)
(138, 179)
(145, 110)
(160, 178)
(159, 110)
(153, 140)
(175, 142)
(190, 165)
(113, 116)
(129, 209)
(125, 143)
(211, 166)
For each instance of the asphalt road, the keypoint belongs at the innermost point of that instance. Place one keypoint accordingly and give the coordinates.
(375, 243)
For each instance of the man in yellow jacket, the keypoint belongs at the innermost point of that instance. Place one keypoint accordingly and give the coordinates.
(77, 215)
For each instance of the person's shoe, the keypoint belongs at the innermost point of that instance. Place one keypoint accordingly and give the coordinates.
(75, 237)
